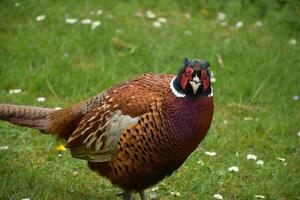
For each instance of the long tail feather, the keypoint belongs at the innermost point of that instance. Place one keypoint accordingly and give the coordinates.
(59, 122)
(29, 116)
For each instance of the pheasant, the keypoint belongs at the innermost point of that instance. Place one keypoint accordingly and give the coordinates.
(136, 133)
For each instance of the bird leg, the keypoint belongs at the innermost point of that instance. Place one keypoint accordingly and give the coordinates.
(143, 195)
(126, 195)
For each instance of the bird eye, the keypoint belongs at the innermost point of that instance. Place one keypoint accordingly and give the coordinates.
(186, 74)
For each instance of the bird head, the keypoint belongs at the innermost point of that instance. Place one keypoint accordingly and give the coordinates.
(194, 77)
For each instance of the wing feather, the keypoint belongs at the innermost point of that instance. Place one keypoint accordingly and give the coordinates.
(108, 115)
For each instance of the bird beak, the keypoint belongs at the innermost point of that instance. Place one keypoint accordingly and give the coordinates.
(195, 83)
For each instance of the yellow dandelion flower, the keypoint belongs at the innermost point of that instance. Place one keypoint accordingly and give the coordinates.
(61, 148)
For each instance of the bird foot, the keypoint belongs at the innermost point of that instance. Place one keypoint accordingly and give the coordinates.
(126, 195)
(143, 195)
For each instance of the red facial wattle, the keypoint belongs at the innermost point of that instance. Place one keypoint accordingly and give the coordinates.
(186, 76)
(204, 79)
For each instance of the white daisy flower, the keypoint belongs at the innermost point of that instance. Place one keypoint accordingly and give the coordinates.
(213, 79)
(3, 147)
(71, 20)
(239, 24)
(40, 18)
(260, 196)
(86, 21)
(280, 159)
(251, 157)
(175, 194)
(221, 16)
(248, 118)
(225, 122)
(95, 24)
(41, 99)
(258, 24)
(17, 4)
(295, 97)
(208, 153)
(162, 20)
(150, 14)
(15, 91)
(293, 41)
(218, 196)
(233, 169)
(260, 162)
(99, 12)
(156, 24)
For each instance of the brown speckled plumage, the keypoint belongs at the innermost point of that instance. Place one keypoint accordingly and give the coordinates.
(135, 133)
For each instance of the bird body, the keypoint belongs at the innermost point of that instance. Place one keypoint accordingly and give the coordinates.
(135, 133)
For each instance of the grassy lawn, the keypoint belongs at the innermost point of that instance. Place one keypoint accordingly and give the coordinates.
(254, 53)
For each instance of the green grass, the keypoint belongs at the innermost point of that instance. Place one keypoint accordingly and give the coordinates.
(261, 73)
